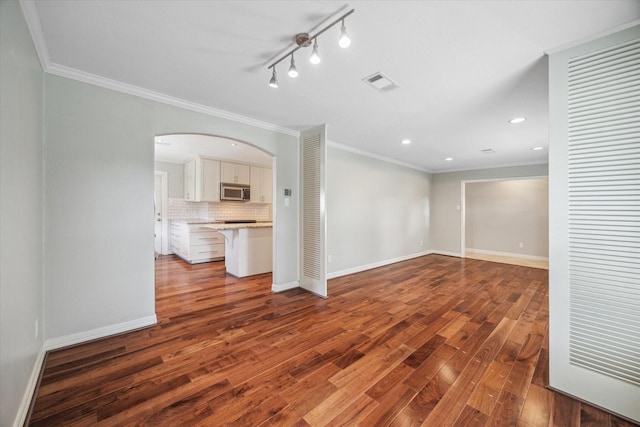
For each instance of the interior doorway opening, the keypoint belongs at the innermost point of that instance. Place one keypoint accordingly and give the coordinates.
(202, 173)
(160, 209)
(506, 220)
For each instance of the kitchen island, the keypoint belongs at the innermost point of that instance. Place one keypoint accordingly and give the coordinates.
(248, 247)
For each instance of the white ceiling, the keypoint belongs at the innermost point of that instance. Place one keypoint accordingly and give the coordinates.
(179, 148)
(464, 67)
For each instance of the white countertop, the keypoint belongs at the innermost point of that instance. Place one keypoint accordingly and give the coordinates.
(195, 221)
(219, 225)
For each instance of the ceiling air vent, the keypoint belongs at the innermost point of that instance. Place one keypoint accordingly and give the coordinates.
(381, 82)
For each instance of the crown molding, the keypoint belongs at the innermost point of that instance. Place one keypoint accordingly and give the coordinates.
(492, 166)
(555, 49)
(344, 147)
(96, 80)
(30, 12)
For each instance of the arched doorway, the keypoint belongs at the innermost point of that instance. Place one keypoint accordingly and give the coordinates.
(199, 170)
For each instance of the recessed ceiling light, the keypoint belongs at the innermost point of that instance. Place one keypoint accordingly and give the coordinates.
(449, 159)
(537, 148)
(406, 141)
(517, 120)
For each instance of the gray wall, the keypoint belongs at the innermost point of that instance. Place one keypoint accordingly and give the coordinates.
(21, 191)
(100, 163)
(376, 211)
(499, 215)
(175, 177)
(446, 201)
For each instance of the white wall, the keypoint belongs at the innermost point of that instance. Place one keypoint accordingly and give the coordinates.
(21, 228)
(100, 163)
(446, 201)
(499, 215)
(376, 212)
(175, 178)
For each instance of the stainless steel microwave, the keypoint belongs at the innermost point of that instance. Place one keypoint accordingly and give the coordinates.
(235, 192)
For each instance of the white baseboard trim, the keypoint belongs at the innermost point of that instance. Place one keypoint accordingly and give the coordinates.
(284, 287)
(445, 253)
(66, 341)
(94, 334)
(507, 254)
(365, 267)
(29, 391)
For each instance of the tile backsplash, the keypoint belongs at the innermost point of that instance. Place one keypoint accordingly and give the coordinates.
(180, 209)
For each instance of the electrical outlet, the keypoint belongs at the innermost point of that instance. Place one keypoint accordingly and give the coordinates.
(521, 245)
(421, 243)
(329, 258)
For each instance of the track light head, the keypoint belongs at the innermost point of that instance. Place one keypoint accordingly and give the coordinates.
(315, 56)
(274, 80)
(345, 40)
(293, 71)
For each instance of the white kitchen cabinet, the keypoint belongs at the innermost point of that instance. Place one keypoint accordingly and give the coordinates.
(195, 243)
(210, 182)
(249, 251)
(190, 181)
(202, 180)
(261, 185)
(235, 173)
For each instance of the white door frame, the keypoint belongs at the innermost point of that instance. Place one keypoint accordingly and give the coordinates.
(164, 206)
(463, 189)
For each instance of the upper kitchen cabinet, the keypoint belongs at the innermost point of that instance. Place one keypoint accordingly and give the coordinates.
(261, 185)
(190, 181)
(235, 173)
(202, 180)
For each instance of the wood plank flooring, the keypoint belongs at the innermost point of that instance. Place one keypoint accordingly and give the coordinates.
(434, 341)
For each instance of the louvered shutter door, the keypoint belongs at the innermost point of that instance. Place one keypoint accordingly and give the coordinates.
(313, 218)
(604, 211)
(594, 222)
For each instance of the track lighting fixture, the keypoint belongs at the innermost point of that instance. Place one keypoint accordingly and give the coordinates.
(304, 40)
(315, 56)
(344, 40)
(274, 80)
(293, 71)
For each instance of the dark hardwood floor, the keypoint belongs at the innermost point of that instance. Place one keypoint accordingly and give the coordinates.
(436, 341)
